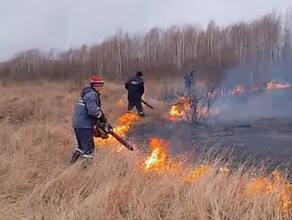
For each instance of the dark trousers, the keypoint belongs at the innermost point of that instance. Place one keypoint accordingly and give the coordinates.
(85, 141)
(188, 87)
(137, 104)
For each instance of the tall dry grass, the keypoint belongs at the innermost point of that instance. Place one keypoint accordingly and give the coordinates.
(36, 181)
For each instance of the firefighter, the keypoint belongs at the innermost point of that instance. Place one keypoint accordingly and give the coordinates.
(135, 88)
(189, 81)
(87, 114)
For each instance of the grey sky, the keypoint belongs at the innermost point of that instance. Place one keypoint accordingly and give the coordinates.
(59, 24)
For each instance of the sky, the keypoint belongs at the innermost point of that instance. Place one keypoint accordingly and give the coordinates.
(61, 24)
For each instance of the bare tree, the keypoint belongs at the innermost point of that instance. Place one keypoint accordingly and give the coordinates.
(164, 51)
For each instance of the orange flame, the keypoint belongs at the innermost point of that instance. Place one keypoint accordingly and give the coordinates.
(183, 108)
(121, 103)
(176, 112)
(202, 170)
(157, 161)
(275, 85)
(180, 109)
(238, 90)
(122, 130)
(197, 173)
(276, 186)
(224, 170)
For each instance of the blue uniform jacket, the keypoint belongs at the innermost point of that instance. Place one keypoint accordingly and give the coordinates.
(87, 109)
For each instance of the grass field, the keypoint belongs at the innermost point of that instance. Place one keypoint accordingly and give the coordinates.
(37, 182)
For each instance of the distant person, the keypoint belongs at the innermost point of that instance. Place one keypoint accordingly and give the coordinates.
(87, 113)
(135, 88)
(189, 81)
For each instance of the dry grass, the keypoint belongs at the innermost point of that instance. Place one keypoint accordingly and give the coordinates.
(36, 182)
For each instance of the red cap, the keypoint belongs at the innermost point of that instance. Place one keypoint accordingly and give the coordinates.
(97, 81)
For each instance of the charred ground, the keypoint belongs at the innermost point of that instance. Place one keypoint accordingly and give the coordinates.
(251, 130)
(265, 142)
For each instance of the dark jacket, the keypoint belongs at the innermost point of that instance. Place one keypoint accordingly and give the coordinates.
(189, 78)
(87, 109)
(135, 89)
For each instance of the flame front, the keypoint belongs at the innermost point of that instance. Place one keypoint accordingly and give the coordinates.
(183, 108)
(126, 121)
(276, 186)
(157, 161)
(180, 109)
(275, 85)
(197, 173)
(238, 90)
(175, 112)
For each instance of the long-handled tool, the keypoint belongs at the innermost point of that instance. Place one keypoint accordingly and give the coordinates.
(145, 103)
(103, 129)
(121, 140)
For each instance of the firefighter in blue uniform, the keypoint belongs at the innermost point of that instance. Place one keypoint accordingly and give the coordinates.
(86, 116)
(135, 88)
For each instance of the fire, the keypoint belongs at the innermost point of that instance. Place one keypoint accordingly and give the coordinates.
(122, 130)
(238, 90)
(180, 109)
(260, 185)
(121, 103)
(275, 85)
(157, 161)
(276, 186)
(215, 93)
(224, 170)
(197, 173)
(128, 119)
(175, 112)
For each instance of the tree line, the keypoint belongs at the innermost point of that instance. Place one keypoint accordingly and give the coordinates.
(164, 52)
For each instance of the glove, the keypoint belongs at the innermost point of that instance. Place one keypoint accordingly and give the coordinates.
(105, 127)
(102, 130)
(102, 118)
(100, 133)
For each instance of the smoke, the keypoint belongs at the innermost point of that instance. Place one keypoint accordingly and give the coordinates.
(260, 104)
(281, 71)
(270, 103)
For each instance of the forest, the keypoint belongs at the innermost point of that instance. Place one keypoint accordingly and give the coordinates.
(159, 53)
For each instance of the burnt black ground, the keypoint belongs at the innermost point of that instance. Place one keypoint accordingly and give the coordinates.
(265, 142)
(255, 130)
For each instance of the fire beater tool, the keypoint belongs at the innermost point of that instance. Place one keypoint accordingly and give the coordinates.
(148, 105)
(102, 129)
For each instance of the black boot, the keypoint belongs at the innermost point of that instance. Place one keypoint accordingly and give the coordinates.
(75, 156)
(87, 160)
(142, 114)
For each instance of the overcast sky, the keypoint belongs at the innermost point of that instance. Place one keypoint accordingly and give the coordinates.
(59, 24)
